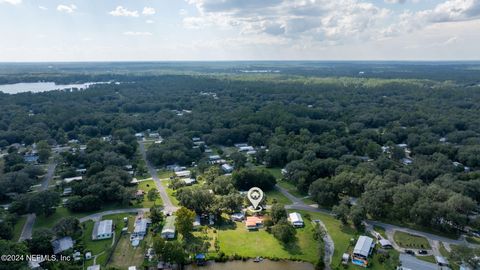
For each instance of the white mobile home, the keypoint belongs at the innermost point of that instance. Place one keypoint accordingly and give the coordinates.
(168, 231)
(296, 219)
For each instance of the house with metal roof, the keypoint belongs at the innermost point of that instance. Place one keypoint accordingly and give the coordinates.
(62, 244)
(139, 228)
(185, 173)
(363, 248)
(104, 229)
(226, 168)
(296, 219)
(168, 231)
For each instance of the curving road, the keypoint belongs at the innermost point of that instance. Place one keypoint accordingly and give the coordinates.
(167, 203)
(98, 216)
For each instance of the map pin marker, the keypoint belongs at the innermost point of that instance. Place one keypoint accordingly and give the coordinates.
(255, 196)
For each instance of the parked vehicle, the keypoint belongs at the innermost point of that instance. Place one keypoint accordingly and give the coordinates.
(410, 252)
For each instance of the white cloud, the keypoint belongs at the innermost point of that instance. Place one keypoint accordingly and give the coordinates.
(183, 12)
(395, 1)
(67, 8)
(148, 11)
(123, 12)
(42, 8)
(131, 33)
(320, 20)
(11, 2)
(149, 21)
(324, 22)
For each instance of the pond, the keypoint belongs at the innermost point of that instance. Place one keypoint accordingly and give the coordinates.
(43, 87)
(251, 265)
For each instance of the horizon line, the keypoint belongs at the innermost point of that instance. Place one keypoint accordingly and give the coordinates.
(224, 61)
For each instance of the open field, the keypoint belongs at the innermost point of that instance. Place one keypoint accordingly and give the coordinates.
(406, 240)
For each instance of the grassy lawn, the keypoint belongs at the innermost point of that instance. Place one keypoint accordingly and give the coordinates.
(146, 203)
(278, 196)
(260, 243)
(340, 234)
(291, 189)
(473, 240)
(162, 174)
(170, 192)
(17, 229)
(454, 265)
(50, 221)
(380, 230)
(126, 255)
(277, 172)
(406, 240)
(430, 259)
(444, 251)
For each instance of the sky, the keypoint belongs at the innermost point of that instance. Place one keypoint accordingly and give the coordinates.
(165, 30)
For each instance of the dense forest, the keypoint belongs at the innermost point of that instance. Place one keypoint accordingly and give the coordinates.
(380, 145)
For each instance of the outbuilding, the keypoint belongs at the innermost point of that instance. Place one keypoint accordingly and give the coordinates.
(296, 219)
(385, 243)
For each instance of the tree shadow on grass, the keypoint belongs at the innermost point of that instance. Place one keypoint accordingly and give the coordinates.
(292, 247)
(226, 224)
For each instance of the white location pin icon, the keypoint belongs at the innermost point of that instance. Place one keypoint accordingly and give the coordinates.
(255, 196)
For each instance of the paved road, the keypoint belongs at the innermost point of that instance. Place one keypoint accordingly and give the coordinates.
(410, 262)
(390, 229)
(49, 176)
(287, 194)
(98, 216)
(28, 227)
(167, 203)
(298, 204)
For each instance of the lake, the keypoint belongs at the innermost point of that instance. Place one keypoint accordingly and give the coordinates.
(250, 265)
(43, 87)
